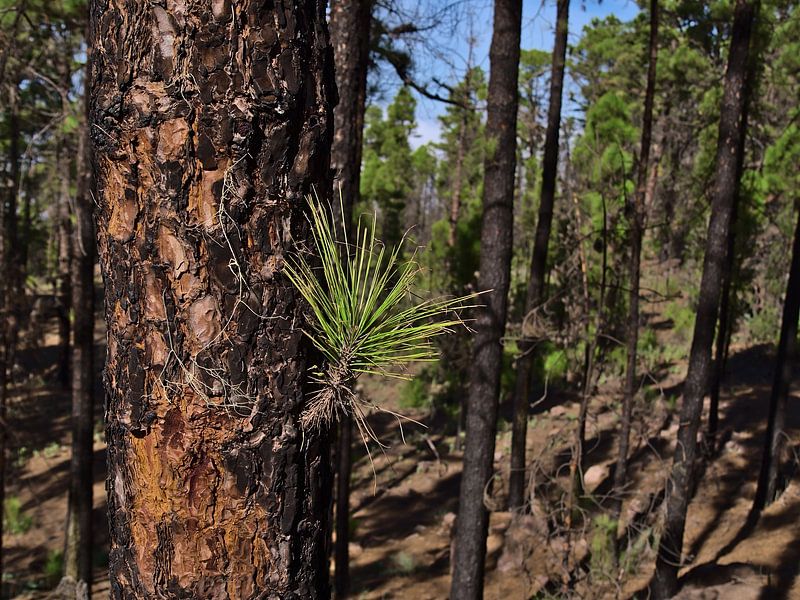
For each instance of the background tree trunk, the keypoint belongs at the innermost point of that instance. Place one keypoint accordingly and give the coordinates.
(535, 292)
(636, 219)
(62, 288)
(209, 128)
(775, 437)
(9, 266)
(731, 129)
(495, 262)
(78, 555)
(350, 29)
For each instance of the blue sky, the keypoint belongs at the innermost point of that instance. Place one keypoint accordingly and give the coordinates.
(447, 52)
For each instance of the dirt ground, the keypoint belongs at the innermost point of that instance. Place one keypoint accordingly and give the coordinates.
(403, 511)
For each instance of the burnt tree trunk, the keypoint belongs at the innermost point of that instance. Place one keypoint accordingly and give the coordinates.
(209, 126)
(636, 222)
(62, 288)
(775, 437)
(78, 555)
(350, 26)
(495, 263)
(9, 271)
(723, 336)
(535, 292)
(725, 323)
(731, 130)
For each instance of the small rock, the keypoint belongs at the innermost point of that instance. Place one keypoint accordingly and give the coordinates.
(594, 476)
(448, 520)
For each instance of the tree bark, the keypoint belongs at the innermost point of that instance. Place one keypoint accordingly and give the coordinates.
(63, 293)
(209, 127)
(535, 292)
(9, 266)
(495, 263)
(350, 28)
(731, 130)
(775, 437)
(723, 335)
(341, 554)
(78, 555)
(725, 325)
(636, 219)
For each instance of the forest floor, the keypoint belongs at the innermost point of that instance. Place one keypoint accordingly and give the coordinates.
(403, 511)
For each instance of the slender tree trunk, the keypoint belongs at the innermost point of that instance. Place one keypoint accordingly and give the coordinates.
(731, 129)
(723, 334)
(9, 266)
(78, 555)
(350, 28)
(725, 318)
(341, 553)
(455, 199)
(637, 218)
(535, 292)
(209, 128)
(775, 437)
(495, 265)
(64, 259)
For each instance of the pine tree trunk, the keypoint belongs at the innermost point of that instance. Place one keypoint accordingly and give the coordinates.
(209, 127)
(350, 28)
(725, 325)
(775, 437)
(723, 335)
(344, 464)
(636, 219)
(495, 263)
(535, 292)
(731, 130)
(9, 269)
(78, 555)
(63, 293)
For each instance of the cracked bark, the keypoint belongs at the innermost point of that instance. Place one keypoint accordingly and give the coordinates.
(209, 122)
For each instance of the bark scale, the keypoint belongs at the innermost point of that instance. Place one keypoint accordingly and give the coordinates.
(495, 263)
(210, 123)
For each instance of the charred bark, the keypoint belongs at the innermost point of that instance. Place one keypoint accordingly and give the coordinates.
(725, 318)
(495, 262)
(535, 292)
(350, 27)
(209, 126)
(775, 438)
(636, 222)
(9, 268)
(731, 130)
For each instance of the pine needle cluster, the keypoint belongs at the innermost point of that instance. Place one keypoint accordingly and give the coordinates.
(365, 315)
